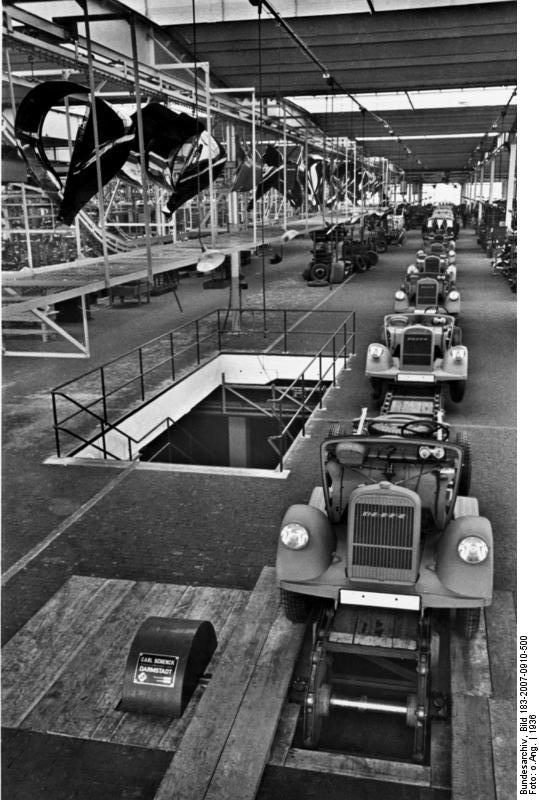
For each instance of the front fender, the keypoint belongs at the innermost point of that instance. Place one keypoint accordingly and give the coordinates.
(315, 558)
(452, 306)
(457, 368)
(381, 364)
(468, 580)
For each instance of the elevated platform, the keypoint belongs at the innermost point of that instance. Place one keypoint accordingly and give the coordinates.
(58, 282)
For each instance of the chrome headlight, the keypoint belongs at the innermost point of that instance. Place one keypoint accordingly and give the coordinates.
(458, 353)
(295, 536)
(454, 295)
(473, 549)
(399, 295)
(376, 350)
(412, 270)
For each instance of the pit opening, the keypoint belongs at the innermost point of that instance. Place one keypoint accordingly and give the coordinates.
(237, 425)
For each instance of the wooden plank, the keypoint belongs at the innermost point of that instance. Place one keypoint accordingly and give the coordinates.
(192, 766)
(171, 739)
(406, 630)
(344, 625)
(500, 620)
(470, 669)
(440, 755)
(144, 730)
(375, 628)
(360, 767)
(472, 770)
(257, 719)
(36, 656)
(89, 683)
(503, 716)
(285, 734)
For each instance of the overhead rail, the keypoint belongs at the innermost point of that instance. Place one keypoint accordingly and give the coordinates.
(331, 81)
(120, 68)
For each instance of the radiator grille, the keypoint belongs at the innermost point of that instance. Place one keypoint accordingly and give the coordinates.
(416, 348)
(432, 265)
(427, 293)
(383, 543)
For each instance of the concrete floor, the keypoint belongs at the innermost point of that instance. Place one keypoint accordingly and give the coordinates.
(159, 526)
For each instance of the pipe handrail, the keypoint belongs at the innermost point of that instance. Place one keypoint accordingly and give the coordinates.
(143, 352)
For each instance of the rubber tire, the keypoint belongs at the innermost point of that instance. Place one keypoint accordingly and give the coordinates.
(337, 272)
(297, 607)
(456, 390)
(372, 258)
(462, 439)
(360, 264)
(306, 274)
(381, 246)
(457, 336)
(320, 272)
(468, 622)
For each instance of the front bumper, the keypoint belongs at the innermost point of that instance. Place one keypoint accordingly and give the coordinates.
(395, 373)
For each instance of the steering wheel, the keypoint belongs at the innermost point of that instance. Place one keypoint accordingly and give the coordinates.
(424, 427)
(398, 321)
(390, 425)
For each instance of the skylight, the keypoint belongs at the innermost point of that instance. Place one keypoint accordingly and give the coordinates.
(395, 101)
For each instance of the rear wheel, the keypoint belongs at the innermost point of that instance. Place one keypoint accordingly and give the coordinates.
(297, 607)
(456, 390)
(466, 471)
(381, 245)
(457, 336)
(320, 272)
(468, 622)
(372, 258)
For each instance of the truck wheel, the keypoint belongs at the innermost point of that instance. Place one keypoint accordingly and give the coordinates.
(372, 258)
(468, 622)
(466, 472)
(456, 390)
(381, 246)
(320, 272)
(306, 274)
(360, 265)
(297, 607)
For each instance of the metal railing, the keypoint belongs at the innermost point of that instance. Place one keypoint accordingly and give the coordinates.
(87, 407)
(297, 387)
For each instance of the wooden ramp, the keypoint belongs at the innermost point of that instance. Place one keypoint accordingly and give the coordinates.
(483, 746)
(63, 673)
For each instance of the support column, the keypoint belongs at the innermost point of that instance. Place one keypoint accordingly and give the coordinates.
(285, 175)
(100, 197)
(511, 184)
(142, 151)
(253, 147)
(492, 174)
(354, 185)
(213, 225)
(238, 442)
(480, 209)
